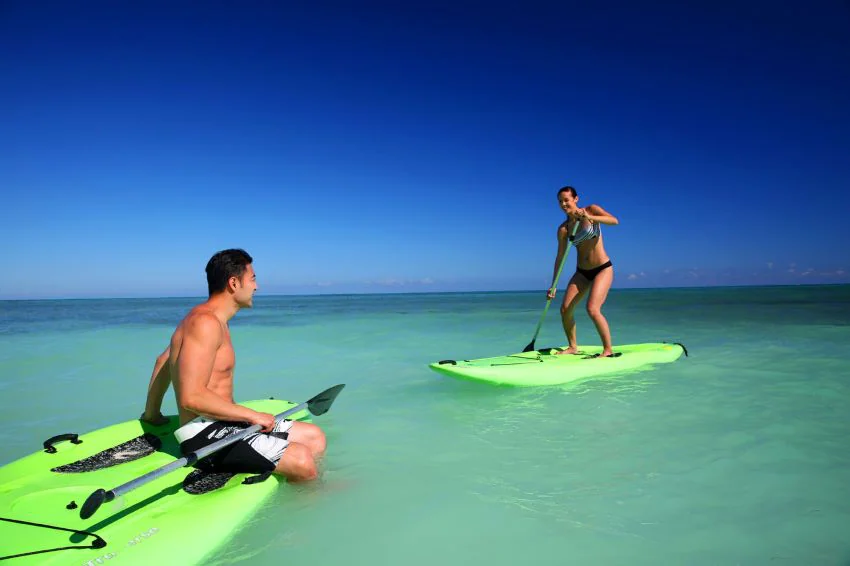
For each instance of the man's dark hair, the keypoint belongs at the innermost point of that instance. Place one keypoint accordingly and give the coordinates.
(224, 265)
(568, 188)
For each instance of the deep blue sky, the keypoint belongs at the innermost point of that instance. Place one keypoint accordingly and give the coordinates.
(374, 147)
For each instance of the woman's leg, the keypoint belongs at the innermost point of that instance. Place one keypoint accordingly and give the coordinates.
(576, 289)
(598, 294)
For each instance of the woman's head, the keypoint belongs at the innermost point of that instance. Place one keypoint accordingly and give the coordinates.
(567, 198)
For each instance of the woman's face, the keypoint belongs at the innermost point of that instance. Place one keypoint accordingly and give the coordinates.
(567, 201)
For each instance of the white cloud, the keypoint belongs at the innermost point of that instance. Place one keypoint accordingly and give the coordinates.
(770, 265)
(632, 277)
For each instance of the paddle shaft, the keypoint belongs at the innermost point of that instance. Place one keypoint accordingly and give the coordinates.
(554, 286)
(318, 405)
(193, 457)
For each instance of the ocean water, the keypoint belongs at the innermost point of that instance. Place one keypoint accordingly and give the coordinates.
(737, 454)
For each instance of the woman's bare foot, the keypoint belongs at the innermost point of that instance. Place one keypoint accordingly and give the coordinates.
(605, 354)
(570, 350)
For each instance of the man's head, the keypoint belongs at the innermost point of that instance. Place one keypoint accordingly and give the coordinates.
(231, 270)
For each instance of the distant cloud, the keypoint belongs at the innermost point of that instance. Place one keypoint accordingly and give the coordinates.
(770, 265)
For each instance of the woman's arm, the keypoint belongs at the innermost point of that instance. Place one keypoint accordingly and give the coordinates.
(596, 213)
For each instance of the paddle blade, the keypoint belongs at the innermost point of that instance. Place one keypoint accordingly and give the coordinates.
(320, 404)
(94, 501)
(530, 347)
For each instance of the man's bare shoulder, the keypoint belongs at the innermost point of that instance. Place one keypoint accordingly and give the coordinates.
(201, 323)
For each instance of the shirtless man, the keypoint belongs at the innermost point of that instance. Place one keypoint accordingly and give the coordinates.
(594, 271)
(199, 363)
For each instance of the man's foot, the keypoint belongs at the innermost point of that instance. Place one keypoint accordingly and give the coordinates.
(570, 350)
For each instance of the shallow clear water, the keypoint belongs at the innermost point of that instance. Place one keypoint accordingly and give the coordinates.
(737, 454)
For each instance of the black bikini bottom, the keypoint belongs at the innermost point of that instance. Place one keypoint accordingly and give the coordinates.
(590, 274)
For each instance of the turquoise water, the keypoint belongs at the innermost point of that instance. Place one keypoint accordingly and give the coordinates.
(737, 454)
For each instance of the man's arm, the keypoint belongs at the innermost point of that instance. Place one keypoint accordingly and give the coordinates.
(201, 340)
(160, 380)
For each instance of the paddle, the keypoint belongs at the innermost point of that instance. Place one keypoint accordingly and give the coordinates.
(318, 405)
(530, 346)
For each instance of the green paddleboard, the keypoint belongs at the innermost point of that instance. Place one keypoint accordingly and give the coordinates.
(546, 367)
(184, 517)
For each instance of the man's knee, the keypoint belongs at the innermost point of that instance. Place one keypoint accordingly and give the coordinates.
(318, 441)
(297, 463)
(314, 438)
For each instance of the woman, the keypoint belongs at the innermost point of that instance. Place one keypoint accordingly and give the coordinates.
(594, 271)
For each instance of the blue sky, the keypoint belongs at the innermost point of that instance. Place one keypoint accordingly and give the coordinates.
(375, 147)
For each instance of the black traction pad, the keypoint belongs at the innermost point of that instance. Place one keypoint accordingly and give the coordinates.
(200, 481)
(134, 449)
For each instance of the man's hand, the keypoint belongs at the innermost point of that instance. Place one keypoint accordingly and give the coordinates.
(154, 419)
(265, 420)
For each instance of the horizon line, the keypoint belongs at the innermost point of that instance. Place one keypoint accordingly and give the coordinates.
(503, 291)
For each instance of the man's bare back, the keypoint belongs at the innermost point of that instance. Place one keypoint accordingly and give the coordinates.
(221, 376)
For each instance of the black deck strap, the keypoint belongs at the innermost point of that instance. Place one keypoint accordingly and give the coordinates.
(48, 444)
(452, 362)
(259, 478)
(96, 543)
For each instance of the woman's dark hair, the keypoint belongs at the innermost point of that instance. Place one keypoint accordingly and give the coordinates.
(568, 188)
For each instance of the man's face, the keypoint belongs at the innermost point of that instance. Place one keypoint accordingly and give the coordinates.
(246, 286)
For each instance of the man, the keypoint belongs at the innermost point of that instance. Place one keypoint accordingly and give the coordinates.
(199, 361)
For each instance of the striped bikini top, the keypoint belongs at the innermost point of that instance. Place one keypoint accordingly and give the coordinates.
(586, 231)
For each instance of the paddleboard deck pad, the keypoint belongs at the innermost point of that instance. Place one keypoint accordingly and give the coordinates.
(181, 518)
(547, 367)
